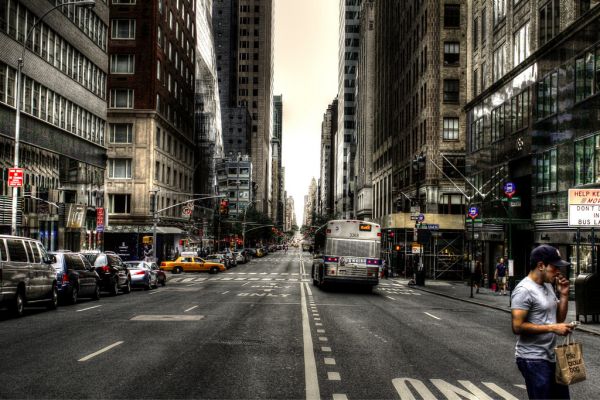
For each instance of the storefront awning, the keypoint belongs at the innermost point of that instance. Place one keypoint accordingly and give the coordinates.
(169, 230)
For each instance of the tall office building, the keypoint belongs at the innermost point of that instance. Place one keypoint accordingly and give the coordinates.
(365, 91)
(277, 178)
(245, 59)
(420, 87)
(310, 204)
(327, 161)
(344, 149)
(152, 49)
(63, 120)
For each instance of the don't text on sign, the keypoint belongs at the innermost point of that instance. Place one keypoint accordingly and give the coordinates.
(584, 207)
(15, 177)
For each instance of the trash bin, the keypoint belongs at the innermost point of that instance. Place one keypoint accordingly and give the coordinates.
(587, 296)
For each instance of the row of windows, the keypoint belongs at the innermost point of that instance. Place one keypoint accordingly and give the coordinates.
(49, 106)
(16, 21)
(167, 143)
(587, 75)
(587, 160)
(121, 204)
(87, 21)
(163, 174)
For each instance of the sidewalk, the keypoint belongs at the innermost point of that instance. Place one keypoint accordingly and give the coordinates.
(461, 291)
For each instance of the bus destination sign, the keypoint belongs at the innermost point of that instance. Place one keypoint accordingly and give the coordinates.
(364, 228)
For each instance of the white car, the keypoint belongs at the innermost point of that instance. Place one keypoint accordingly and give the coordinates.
(239, 257)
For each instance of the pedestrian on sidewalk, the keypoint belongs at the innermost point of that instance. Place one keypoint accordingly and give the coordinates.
(500, 276)
(537, 317)
(477, 275)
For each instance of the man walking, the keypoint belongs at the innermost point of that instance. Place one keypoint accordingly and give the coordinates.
(537, 317)
(500, 276)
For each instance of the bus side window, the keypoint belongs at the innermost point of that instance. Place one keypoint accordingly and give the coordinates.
(3, 250)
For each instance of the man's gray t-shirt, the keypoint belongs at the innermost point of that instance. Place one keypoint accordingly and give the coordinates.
(540, 301)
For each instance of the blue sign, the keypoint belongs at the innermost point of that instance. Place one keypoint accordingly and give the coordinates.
(473, 212)
(509, 188)
(99, 228)
(421, 218)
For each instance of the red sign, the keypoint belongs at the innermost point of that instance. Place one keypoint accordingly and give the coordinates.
(99, 218)
(15, 177)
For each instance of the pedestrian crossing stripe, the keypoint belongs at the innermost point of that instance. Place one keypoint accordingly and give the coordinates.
(229, 279)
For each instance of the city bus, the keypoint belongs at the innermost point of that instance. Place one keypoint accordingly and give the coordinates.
(348, 252)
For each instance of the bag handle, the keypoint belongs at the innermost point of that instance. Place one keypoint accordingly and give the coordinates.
(567, 340)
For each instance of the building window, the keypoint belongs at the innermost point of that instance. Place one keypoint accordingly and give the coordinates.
(121, 133)
(498, 60)
(119, 168)
(450, 131)
(498, 125)
(123, 29)
(587, 160)
(121, 98)
(119, 203)
(475, 32)
(483, 26)
(451, 53)
(521, 45)
(549, 21)
(476, 139)
(499, 11)
(520, 110)
(451, 15)
(547, 95)
(451, 90)
(545, 171)
(123, 1)
(483, 76)
(475, 81)
(122, 64)
(584, 74)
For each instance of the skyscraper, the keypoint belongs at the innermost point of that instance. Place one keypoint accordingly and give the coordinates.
(344, 149)
(276, 181)
(327, 161)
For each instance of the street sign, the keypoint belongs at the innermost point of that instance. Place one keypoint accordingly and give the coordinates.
(431, 227)
(15, 177)
(414, 217)
(100, 219)
(510, 189)
(473, 212)
(513, 201)
(421, 218)
(187, 210)
(584, 207)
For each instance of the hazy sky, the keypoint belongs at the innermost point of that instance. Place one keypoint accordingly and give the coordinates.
(306, 59)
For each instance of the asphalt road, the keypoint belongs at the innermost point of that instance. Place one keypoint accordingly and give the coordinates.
(261, 330)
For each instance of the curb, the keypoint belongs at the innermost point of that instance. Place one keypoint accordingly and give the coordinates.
(579, 328)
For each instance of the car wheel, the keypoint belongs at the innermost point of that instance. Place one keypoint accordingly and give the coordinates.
(18, 305)
(214, 270)
(96, 295)
(177, 270)
(148, 285)
(163, 282)
(53, 302)
(127, 288)
(114, 289)
(74, 295)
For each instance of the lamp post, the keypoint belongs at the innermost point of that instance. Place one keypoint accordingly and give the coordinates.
(419, 162)
(15, 194)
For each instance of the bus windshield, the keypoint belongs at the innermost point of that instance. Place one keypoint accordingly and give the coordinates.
(349, 247)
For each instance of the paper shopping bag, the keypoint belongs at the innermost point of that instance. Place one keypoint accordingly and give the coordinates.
(570, 367)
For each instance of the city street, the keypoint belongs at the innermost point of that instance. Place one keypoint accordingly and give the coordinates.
(261, 330)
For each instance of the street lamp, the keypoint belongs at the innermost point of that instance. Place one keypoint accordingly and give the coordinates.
(418, 163)
(80, 3)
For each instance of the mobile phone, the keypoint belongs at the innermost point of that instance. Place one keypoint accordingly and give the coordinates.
(575, 324)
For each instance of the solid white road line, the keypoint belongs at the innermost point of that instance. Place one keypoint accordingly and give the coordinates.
(89, 308)
(432, 316)
(101, 351)
(190, 309)
(308, 290)
(311, 379)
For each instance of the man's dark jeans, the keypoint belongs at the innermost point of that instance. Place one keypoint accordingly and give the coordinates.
(540, 380)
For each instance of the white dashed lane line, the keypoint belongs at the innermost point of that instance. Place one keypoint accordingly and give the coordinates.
(88, 357)
(432, 316)
(334, 376)
(191, 308)
(89, 308)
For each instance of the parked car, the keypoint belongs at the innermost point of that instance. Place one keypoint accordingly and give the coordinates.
(250, 252)
(26, 274)
(160, 274)
(142, 274)
(239, 257)
(111, 270)
(230, 259)
(75, 277)
(192, 264)
(218, 258)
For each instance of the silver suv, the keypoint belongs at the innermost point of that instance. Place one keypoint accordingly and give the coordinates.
(26, 274)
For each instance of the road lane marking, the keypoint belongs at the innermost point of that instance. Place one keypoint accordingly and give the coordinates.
(318, 324)
(168, 318)
(391, 298)
(100, 351)
(155, 292)
(309, 291)
(519, 386)
(89, 308)
(184, 280)
(432, 316)
(317, 319)
(311, 380)
(495, 388)
(326, 349)
(191, 308)
(339, 396)
(329, 361)
(320, 330)
(322, 339)
(225, 292)
(334, 376)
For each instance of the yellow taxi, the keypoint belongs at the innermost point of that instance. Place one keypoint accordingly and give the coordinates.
(191, 264)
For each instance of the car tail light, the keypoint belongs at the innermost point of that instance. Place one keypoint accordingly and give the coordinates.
(373, 261)
(65, 278)
(105, 268)
(163, 264)
(331, 259)
(140, 272)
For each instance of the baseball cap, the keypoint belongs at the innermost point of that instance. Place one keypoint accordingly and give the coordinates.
(548, 255)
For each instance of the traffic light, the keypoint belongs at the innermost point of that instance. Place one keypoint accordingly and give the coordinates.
(147, 240)
(391, 234)
(397, 247)
(224, 208)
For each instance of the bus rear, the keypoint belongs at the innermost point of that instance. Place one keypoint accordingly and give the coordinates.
(351, 254)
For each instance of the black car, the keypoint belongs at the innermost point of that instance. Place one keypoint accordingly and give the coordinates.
(112, 272)
(75, 277)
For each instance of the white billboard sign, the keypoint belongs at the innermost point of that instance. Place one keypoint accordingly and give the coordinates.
(584, 207)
